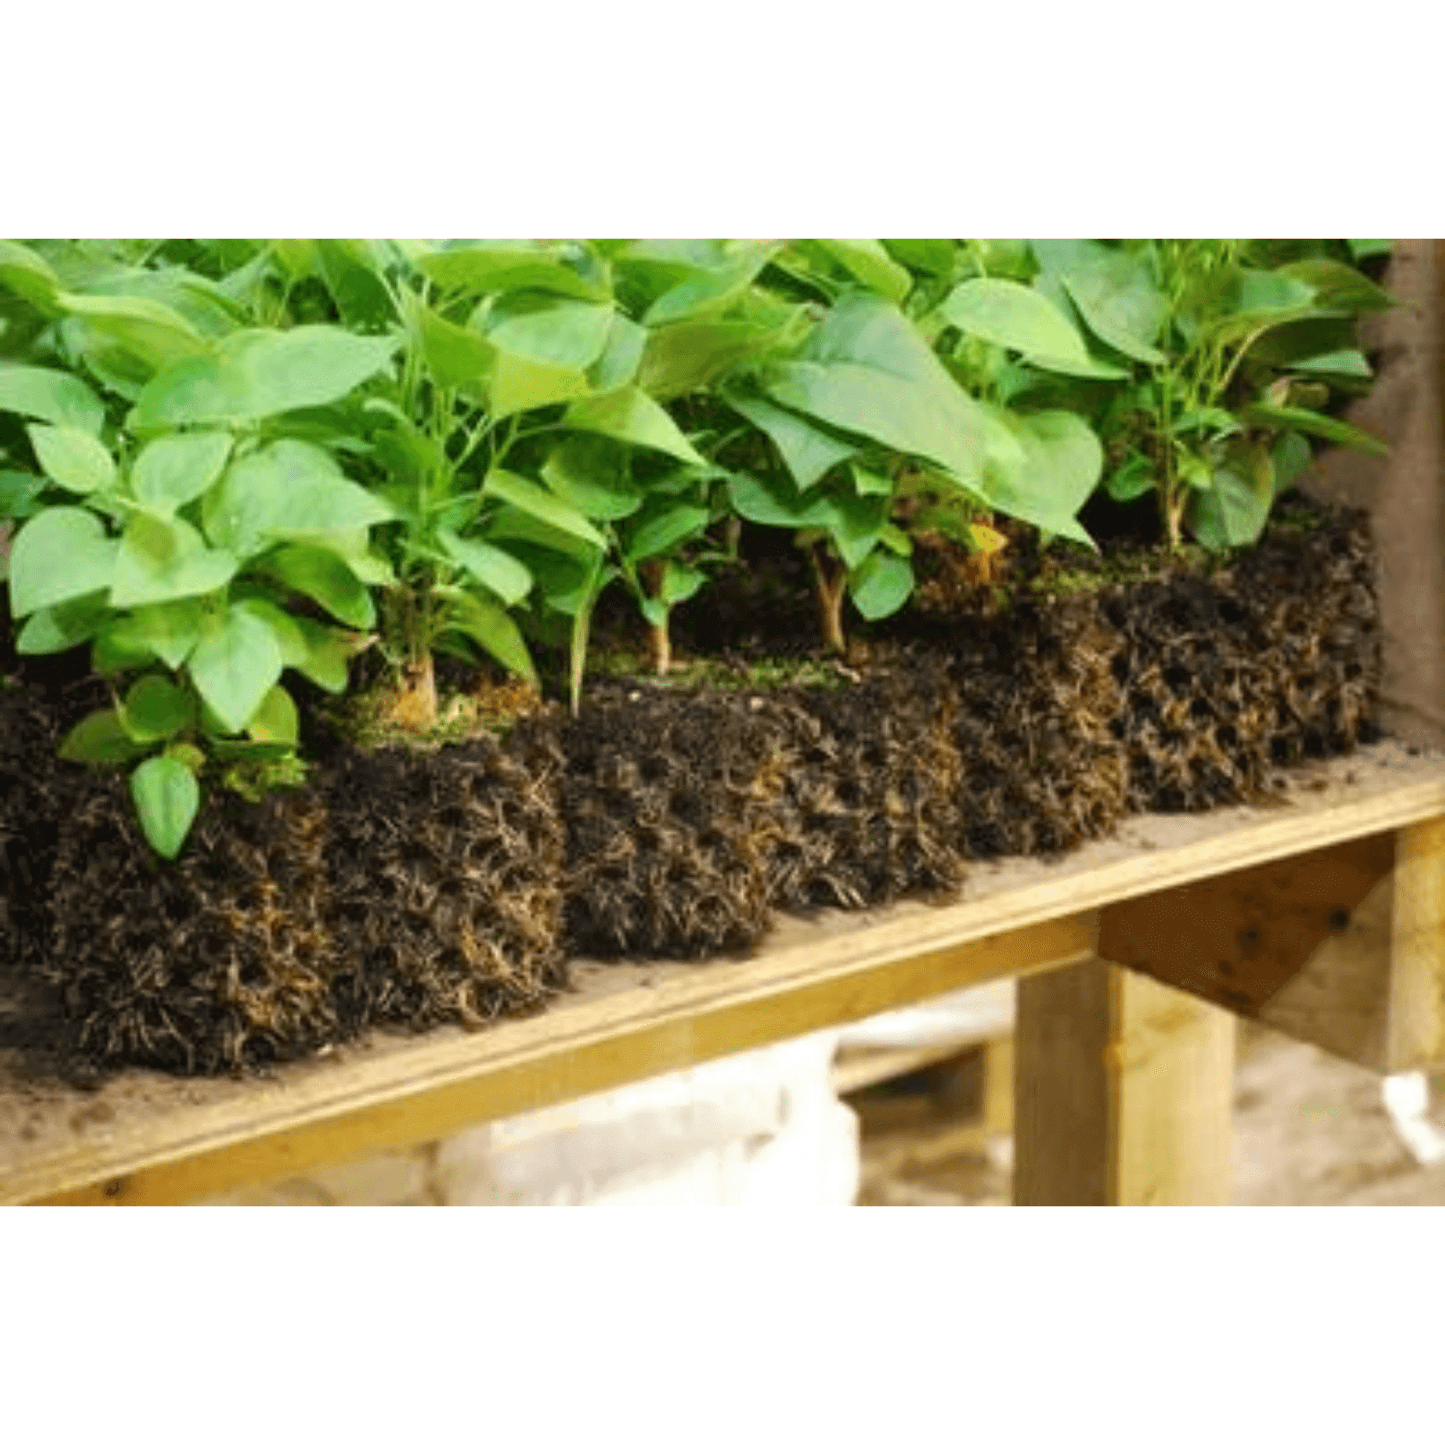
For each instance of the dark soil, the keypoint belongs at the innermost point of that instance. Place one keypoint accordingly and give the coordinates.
(1020, 713)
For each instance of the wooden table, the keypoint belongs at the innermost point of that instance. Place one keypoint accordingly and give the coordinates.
(1321, 915)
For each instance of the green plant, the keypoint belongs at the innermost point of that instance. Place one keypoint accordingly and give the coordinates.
(174, 535)
(1231, 350)
(224, 459)
(878, 437)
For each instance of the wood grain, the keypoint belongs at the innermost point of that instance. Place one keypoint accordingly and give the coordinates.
(1416, 1031)
(1123, 1091)
(1238, 938)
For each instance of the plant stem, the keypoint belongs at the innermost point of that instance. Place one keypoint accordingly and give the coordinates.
(409, 626)
(828, 585)
(659, 639)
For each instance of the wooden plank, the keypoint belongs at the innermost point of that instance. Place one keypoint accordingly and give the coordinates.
(1343, 947)
(1061, 1091)
(1340, 999)
(1238, 938)
(1122, 1091)
(1416, 1032)
(998, 1086)
(151, 1138)
(1171, 1069)
(409, 1095)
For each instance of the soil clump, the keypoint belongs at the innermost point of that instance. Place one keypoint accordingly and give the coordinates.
(1020, 709)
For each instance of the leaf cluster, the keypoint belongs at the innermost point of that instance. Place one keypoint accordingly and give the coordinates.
(232, 464)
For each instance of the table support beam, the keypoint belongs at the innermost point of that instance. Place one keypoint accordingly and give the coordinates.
(1123, 1091)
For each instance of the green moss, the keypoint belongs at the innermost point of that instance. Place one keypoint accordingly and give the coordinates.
(1124, 569)
(253, 779)
(367, 723)
(762, 675)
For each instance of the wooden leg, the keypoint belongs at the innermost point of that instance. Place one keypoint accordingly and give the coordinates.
(1416, 1033)
(998, 1086)
(1123, 1091)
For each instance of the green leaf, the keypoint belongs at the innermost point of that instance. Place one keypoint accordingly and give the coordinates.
(493, 267)
(1206, 418)
(111, 656)
(29, 275)
(590, 474)
(284, 627)
(168, 631)
(234, 665)
(711, 291)
(1114, 319)
(680, 582)
(66, 625)
(1335, 363)
(896, 540)
(881, 585)
(1231, 513)
(275, 721)
(1337, 286)
(325, 578)
(1133, 479)
(1361, 249)
(871, 484)
(297, 257)
(936, 257)
(161, 560)
(857, 526)
(621, 355)
(663, 527)
(253, 374)
(1291, 456)
(598, 578)
(155, 709)
(18, 491)
(100, 738)
(537, 544)
(1298, 419)
(522, 383)
(54, 396)
(1015, 317)
(328, 657)
(287, 489)
(244, 750)
(174, 470)
(166, 797)
(489, 626)
(72, 458)
(872, 265)
(1238, 303)
(562, 579)
(690, 355)
(774, 504)
(541, 504)
(562, 332)
(152, 332)
(350, 271)
(1089, 368)
(866, 369)
(60, 554)
(455, 355)
(188, 755)
(489, 565)
(1061, 463)
(630, 415)
(808, 451)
